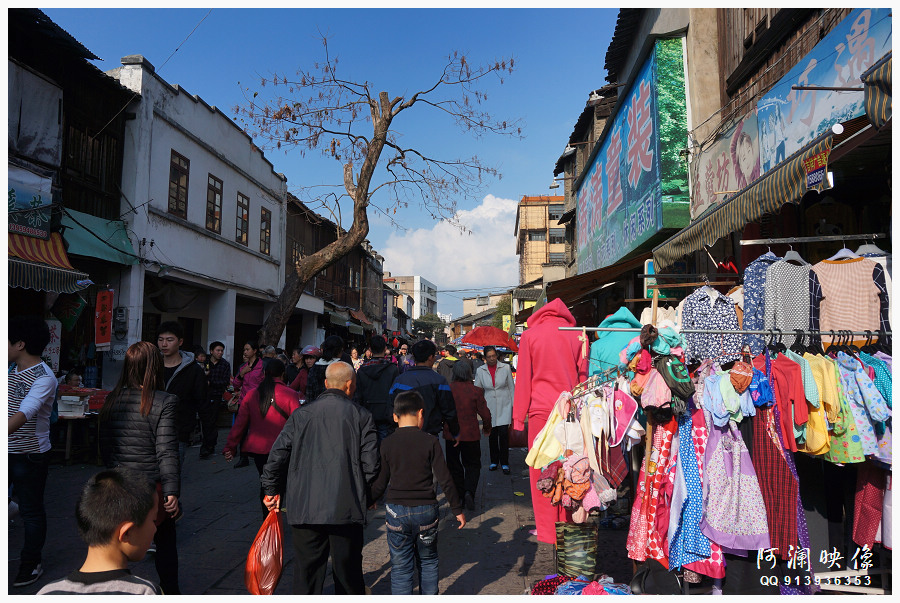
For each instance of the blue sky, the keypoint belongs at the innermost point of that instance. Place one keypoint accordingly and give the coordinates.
(559, 56)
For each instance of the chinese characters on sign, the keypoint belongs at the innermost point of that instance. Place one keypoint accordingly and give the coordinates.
(52, 351)
(620, 199)
(103, 320)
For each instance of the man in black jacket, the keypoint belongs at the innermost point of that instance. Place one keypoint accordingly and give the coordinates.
(328, 450)
(184, 378)
(374, 379)
(439, 405)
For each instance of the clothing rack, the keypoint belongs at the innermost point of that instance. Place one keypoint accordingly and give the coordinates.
(735, 331)
(823, 238)
(697, 275)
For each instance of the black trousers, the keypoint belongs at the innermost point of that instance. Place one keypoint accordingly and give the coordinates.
(260, 460)
(464, 463)
(312, 546)
(166, 557)
(209, 416)
(498, 443)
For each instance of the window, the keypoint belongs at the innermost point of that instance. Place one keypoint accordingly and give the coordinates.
(243, 219)
(557, 258)
(214, 204)
(265, 231)
(179, 167)
(557, 235)
(297, 252)
(554, 212)
(537, 235)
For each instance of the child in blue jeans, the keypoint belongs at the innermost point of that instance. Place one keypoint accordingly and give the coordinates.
(409, 459)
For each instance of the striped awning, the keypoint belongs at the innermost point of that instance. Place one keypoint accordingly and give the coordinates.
(877, 80)
(785, 183)
(43, 265)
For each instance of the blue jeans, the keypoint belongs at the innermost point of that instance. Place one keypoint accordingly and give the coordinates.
(28, 476)
(412, 539)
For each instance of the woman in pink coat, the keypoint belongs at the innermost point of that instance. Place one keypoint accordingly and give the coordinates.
(550, 362)
(262, 416)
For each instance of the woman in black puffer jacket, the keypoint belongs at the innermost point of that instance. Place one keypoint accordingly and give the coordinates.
(138, 430)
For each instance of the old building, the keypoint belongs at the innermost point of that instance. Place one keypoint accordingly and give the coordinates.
(423, 292)
(207, 211)
(540, 240)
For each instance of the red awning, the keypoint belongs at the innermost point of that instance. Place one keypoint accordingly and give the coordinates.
(42, 265)
(52, 251)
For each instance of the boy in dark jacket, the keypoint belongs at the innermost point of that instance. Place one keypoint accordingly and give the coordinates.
(410, 460)
(374, 380)
(184, 378)
(434, 389)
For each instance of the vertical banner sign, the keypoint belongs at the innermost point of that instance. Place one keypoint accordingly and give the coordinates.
(729, 164)
(67, 309)
(52, 351)
(637, 169)
(103, 320)
(507, 322)
(789, 119)
(384, 311)
(815, 168)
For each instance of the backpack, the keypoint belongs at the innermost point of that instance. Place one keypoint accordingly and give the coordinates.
(675, 375)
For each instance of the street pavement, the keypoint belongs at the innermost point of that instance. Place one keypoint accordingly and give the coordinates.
(493, 555)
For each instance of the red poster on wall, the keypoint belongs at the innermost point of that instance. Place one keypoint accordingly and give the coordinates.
(103, 320)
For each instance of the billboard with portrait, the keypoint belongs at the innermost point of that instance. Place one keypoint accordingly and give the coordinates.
(789, 119)
(729, 164)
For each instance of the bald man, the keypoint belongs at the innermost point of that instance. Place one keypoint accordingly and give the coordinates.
(328, 452)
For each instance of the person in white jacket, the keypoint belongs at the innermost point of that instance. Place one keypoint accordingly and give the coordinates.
(496, 380)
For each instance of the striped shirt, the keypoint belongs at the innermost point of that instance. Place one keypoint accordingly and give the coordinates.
(31, 392)
(112, 582)
(848, 294)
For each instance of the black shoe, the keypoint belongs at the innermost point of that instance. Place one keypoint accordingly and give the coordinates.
(492, 467)
(469, 501)
(243, 462)
(505, 469)
(28, 575)
(205, 454)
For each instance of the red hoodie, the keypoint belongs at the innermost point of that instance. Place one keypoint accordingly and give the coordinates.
(550, 362)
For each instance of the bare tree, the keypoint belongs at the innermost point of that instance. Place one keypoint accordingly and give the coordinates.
(318, 111)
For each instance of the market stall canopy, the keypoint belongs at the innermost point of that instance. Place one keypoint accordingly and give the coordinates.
(94, 237)
(877, 80)
(360, 316)
(785, 183)
(484, 336)
(43, 265)
(571, 289)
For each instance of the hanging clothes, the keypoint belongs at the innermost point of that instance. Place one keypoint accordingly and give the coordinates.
(786, 305)
(846, 295)
(883, 378)
(868, 407)
(776, 483)
(707, 309)
(787, 383)
(869, 503)
(846, 444)
(688, 543)
(605, 350)
(754, 299)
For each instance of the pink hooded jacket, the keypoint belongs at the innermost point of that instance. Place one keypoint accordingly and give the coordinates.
(550, 362)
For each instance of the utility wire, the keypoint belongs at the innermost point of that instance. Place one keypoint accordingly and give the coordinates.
(135, 95)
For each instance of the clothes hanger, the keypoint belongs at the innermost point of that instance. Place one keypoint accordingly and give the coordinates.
(843, 254)
(884, 342)
(870, 247)
(868, 348)
(851, 345)
(794, 257)
(798, 347)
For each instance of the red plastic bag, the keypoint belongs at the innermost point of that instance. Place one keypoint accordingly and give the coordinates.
(266, 557)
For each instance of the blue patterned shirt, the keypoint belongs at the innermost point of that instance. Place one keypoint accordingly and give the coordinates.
(755, 299)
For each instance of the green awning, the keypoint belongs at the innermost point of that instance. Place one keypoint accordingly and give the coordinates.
(93, 237)
(785, 183)
(877, 80)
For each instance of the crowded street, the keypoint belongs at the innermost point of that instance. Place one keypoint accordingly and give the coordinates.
(369, 306)
(492, 555)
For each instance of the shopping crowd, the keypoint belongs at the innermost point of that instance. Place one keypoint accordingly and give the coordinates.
(332, 433)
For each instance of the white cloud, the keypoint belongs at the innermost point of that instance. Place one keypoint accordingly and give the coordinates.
(484, 257)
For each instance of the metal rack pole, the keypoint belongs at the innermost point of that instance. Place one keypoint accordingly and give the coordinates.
(731, 331)
(823, 238)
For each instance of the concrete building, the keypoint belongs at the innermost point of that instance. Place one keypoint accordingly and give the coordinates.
(207, 210)
(423, 292)
(480, 303)
(540, 240)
